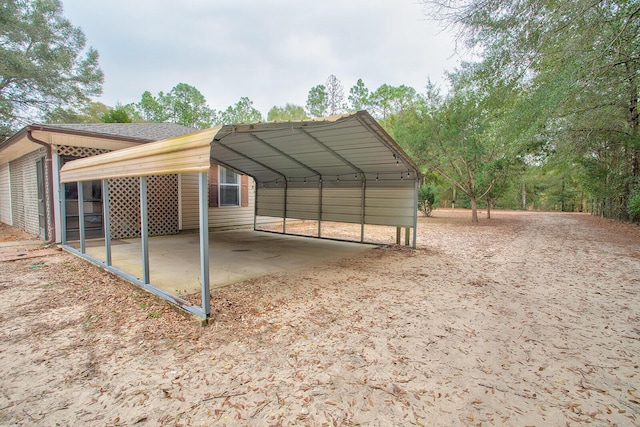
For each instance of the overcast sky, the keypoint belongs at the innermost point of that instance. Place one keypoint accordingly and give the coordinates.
(272, 51)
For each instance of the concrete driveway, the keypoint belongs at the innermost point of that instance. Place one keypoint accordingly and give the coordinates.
(234, 256)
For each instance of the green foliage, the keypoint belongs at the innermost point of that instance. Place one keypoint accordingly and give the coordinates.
(183, 104)
(318, 101)
(43, 63)
(578, 64)
(426, 199)
(188, 107)
(389, 100)
(359, 97)
(327, 99)
(634, 207)
(289, 112)
(461, 136)
(242, 112)
(119, 114)
(90, 113)
(152, 109)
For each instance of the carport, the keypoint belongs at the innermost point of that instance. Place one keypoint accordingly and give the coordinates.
(343, 168)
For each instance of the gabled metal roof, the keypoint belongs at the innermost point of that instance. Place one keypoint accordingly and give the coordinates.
(337, 147)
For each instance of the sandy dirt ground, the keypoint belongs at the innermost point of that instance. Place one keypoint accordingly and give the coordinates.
(528, 319)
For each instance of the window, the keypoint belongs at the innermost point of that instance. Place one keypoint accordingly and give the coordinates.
(228, 187)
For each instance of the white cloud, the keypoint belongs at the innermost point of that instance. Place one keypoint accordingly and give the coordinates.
(271, 51)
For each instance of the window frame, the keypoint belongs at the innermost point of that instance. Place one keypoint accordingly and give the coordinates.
(227, 186)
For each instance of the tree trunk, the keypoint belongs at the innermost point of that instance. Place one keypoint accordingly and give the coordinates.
(453, 200)
(488, 207)
(634, 119)
(474, 209)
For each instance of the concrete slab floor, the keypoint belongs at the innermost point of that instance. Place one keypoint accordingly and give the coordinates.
(174, 261)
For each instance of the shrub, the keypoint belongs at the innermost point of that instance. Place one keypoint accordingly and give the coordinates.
(426, 199)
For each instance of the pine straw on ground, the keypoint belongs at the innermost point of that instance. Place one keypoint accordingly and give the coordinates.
(527, 319)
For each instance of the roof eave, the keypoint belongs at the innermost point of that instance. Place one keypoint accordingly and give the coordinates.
(54, 129)
(367, 120)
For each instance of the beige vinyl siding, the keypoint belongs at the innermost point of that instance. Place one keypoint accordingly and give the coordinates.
(24, 192)
(5, 194)
(189, 200)
(219, 218)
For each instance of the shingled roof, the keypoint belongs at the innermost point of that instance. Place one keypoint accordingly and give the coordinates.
(141, 131)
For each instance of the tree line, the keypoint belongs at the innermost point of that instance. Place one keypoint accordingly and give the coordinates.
(547, 118)
(184, 104)
(573, 72)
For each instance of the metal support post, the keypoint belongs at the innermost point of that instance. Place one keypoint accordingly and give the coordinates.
(255, 204)
(81, 221)
(106, 221)
(204, 243)
(284, 213)
(362, 212)
(144, 229)
(62, 196)
(320, 207)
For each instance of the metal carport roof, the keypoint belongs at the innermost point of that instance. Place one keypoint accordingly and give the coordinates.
(343, 168)
(351, 146)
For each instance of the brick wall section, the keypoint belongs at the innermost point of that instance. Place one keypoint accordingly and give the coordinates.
(24, 192)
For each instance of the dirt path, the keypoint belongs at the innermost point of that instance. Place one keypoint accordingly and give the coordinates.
(527, 319)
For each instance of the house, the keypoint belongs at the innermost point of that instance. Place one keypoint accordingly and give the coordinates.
(30, 163)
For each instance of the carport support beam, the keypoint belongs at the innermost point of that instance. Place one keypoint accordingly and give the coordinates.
(362, 212)
(204, 242)
(284, 214)
(144, 229)
(106, 220)
(81, 221)
(320, 207)
(63, 213)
